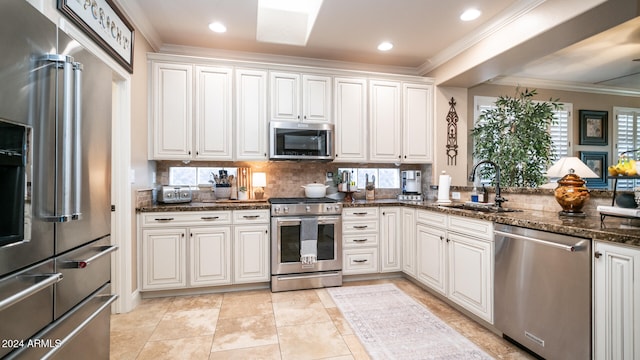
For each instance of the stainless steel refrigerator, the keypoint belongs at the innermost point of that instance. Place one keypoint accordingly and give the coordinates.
(55, 216)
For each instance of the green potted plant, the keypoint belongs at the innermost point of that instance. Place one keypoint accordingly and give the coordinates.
(242, 193)
(515, 135)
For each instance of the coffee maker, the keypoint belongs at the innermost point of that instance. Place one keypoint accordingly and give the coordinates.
(411, 182)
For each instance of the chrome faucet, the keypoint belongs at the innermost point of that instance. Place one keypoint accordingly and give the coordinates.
(499, 199)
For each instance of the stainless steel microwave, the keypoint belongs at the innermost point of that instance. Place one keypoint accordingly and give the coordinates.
(300, 141)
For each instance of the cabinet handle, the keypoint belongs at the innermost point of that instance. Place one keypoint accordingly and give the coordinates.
(360, 227)
(360, 213)
(336, 155)
(597, 254)
(163, 219)
(448, 240)
(441, 237)
(359, 240)
(189, 152)
(210, 217)
(405, 156)
(384, 213)
(360, 261)
(399, 157)
(250, 216)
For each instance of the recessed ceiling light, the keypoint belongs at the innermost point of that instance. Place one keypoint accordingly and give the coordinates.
(470, 14)
(385, 46)
(217, 27)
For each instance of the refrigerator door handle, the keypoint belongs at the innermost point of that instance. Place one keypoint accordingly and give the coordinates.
(77, 138)
(46, 280)
(69, 141)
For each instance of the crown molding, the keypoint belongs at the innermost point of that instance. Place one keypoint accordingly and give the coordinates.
(137, 17)
(564, 85)
(282, 59)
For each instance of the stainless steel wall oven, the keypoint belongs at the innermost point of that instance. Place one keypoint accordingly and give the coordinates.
(289, 270)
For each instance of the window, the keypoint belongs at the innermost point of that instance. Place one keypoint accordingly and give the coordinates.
(386, 178)
(627, 130)
(196, 175)
(560, 129)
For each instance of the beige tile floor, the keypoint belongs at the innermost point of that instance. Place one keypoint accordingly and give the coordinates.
(259, 324)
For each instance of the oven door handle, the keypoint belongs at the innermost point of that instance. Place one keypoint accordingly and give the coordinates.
(284, 221)
(49, 279)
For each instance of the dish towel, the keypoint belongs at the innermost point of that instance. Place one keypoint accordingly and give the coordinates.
(308, 241)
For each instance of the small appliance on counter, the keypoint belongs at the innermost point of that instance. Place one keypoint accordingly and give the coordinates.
(411, 182)
(175, 194)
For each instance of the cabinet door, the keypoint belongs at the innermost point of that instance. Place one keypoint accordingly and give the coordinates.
(616, 302)
(351, 119)
(251, 115)
(431, 246)
(385, 137)
(210, 256)
(172, 111)
(417, 126)
(285, 96)
(163, 259)
(390, 240)
(213, 113)
(251, 253)
(408, 219)
(316, 98)
(471, 274)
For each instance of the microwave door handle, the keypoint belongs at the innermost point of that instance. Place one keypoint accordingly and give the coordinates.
(77, 139)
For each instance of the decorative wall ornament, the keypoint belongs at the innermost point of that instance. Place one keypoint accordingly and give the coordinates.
(452, 134)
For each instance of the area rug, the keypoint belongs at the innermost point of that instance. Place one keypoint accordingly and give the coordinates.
(392, 325)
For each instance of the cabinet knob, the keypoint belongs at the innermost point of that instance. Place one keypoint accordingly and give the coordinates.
(441, 237)
(597, 254)
(448, 240)
(189, 152)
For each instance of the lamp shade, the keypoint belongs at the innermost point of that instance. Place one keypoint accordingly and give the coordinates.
(565, 165)
(259, 179)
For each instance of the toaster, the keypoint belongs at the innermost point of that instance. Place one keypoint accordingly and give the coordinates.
(175, 194)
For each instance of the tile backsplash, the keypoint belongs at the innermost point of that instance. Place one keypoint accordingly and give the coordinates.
(285, 178)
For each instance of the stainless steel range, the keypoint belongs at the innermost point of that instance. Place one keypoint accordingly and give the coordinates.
(306, 243)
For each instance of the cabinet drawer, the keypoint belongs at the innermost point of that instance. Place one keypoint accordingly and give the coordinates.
(185, 218)
(360, 240)
(431, 218)
(251, 216)
(356, 227)
(353, 214)
(360, 261)
(478, 229)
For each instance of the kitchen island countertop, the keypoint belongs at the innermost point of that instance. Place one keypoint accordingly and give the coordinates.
(623, 231)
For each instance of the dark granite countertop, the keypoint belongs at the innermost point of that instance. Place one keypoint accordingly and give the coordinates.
(207, 206)
(613, 229)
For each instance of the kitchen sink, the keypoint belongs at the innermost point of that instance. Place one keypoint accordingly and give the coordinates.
(479, 207)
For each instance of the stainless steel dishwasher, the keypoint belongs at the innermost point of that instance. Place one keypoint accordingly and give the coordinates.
(542, 291)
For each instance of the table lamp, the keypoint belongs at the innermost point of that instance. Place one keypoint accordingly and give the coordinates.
(571, 193)
(259, 182)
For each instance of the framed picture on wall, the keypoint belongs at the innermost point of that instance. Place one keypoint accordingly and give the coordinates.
(596, 161)
(593, 127)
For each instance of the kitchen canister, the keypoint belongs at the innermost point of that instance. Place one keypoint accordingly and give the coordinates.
(444, 184)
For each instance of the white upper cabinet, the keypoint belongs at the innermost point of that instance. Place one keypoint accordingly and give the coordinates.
(300, 97)
(213, 113)
(187, 127)
(251, 114)
(385, 121)
(351, 119)
(172, 109)
(417, 126)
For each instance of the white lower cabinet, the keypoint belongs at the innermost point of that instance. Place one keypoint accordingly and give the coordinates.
(409, 246)
(455, 259)
(251, 253)
(360, 234)
(390, 240)
(163, 258)
(616, 303)
(196, 249)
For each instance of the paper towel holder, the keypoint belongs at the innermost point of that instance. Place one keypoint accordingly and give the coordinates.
(444, 184)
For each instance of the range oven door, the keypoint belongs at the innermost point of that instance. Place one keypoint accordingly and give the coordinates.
(285, 245)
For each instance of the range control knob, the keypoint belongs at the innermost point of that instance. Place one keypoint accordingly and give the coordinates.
(337, 207)
(307, 208)
(276, 210)
(286, 210)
